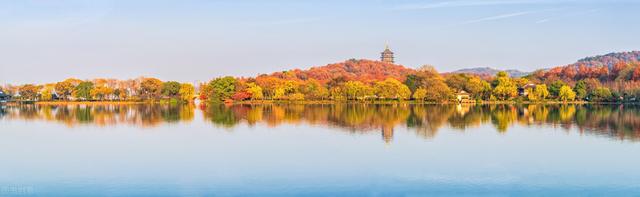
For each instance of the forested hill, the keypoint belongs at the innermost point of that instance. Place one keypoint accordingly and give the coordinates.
(609, 60)
(487, 71)
(350, 70)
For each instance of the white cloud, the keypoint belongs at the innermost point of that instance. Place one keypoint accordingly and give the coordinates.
(471, 3)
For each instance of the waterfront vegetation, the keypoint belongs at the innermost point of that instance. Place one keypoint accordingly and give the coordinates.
(358, 81)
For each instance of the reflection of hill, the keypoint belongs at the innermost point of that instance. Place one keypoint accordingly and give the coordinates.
(426, 120)
(614, 121)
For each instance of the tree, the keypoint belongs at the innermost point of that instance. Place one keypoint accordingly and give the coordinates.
(541, 92)
(47, 93)
(187, 92)
(457, 82)
(241, 96)
(505, 87)
(150, 88)
(433, 83)
(601, 94)
(566, 93)
(28, 92)
(478, 88)
(356, 90)
(581, 89)
(101, 92)
(392, 89)
(420, 94)
(171, 89)
(554, 88)
(64, 89)
(255, 91)
(83, 90)
(222, 88)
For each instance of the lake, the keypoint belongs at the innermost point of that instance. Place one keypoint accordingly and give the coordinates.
(319, 150)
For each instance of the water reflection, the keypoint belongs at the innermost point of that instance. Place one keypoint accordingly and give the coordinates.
(614, 121)
(101, 115)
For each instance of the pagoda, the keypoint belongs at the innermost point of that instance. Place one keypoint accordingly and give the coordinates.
(387, 55)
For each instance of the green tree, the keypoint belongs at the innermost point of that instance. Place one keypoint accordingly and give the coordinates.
(83, 90)
(581, 89)
(171, 89)
(222, 88)
(566, 93)
(554, 88)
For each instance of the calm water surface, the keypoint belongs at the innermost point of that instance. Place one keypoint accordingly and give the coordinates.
(357, 150)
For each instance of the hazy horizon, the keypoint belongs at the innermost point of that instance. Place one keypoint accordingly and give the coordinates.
(49, 41)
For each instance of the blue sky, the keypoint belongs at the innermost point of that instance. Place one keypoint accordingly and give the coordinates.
(191, 40)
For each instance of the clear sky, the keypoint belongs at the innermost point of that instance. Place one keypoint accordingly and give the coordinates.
(191, 40)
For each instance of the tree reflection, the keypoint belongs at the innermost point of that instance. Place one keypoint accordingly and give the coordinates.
(613, 121)
(103, 115)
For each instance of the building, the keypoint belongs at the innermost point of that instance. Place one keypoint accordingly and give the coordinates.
(4, 97)
(387, 56)
(522, 91)
(463, 97)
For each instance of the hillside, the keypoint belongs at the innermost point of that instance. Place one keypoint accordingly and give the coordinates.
(609, 60)
(356, 70)
(487, 71)
(621, 66)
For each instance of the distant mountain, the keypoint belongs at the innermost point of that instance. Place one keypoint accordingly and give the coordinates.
(486, 71)
(609, 60)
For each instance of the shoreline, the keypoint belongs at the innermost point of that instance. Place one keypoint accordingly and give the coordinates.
(310, 102)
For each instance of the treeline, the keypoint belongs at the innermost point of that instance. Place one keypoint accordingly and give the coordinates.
(361, 80)
(141, 89)
(424, 84)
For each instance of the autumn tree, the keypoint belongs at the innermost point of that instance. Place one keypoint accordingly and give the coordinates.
(505, 88)
(392, 89)
(566, 93)
(64, 89)
(28, 92)
(356, 90)
(187, 92)
(420, 94)
(255, 91)
(101, 92)
(541, 92)
(433, 83)
(313, 89)
(150, 88)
